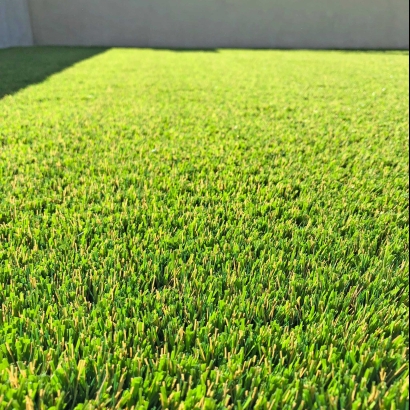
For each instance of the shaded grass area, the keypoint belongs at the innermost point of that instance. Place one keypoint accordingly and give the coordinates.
(211, 230)
(22, 67)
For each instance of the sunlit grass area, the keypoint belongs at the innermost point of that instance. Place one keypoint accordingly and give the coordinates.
(217, 230)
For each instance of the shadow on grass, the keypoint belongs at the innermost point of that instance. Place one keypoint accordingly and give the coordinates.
(188, 50)
(374, 51)
(24, 66)
(337, 50)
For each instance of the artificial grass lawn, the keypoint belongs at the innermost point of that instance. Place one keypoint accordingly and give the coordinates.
(215, 229)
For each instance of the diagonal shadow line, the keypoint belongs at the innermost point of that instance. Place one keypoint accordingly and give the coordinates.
(24, 66)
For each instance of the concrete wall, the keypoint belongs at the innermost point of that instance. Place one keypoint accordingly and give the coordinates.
(15, 26)
(369, 24)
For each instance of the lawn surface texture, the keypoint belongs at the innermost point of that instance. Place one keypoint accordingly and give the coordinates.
(215, 229)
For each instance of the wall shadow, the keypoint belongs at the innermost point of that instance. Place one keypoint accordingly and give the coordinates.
(188, 50)
(24, 66)
(368, 50)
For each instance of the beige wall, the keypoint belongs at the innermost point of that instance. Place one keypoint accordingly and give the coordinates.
(15, 27)
(223, 23)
